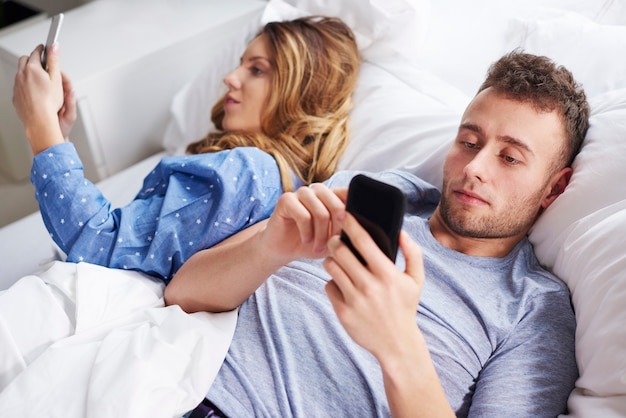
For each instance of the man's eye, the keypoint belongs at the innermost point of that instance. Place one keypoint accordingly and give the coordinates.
(469, 145)
(510, 160)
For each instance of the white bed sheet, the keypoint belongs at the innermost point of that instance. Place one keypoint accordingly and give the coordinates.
(80, 340)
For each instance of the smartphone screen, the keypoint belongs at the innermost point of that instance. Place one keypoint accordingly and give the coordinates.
(379, 207)
(53, 34)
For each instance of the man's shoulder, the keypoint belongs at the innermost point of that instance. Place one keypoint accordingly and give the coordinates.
(545, 279)
(404, 180)
(422, 197)
(395, 177)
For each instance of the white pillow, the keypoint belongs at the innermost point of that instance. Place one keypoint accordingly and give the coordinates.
(398, 25)
(594, 53)
(464, 37)
(594, 261)
(612, 13)
(580, 237)
(398, 125)
(598, 176)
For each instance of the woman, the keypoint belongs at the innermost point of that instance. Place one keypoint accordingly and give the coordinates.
(282, 124)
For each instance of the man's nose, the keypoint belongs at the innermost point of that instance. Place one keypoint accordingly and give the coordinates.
(478, 166)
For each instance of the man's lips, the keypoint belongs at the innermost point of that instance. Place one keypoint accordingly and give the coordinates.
(469, 197)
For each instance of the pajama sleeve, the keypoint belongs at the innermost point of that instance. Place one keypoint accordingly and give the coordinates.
(186, 204)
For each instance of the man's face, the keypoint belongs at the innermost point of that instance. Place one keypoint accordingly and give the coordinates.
(500, 172)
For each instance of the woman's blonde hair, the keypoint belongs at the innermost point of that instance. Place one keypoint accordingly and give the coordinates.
(305, 122)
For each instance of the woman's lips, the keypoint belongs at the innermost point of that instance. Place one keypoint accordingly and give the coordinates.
(229, 100)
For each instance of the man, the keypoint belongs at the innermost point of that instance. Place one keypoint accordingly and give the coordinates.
(494, 332)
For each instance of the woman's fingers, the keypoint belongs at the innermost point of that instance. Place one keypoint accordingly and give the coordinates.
(21, 63)
(67, 114)
(35, 56)
(66, 82)
(52, 60)
(34, 61)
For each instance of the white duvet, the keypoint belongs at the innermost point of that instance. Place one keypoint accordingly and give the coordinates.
(80, 340)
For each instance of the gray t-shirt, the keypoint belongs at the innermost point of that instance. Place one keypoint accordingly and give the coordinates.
(500, 332)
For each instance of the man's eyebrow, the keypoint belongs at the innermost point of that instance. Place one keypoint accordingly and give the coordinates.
(471, 127)
(516, 143)
(506, 138)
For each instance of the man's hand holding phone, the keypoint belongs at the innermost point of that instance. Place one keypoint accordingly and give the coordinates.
(376, 303)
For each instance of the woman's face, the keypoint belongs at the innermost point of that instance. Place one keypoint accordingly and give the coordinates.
(248, 88)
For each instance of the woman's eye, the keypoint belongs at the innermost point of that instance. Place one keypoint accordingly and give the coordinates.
(256, 71)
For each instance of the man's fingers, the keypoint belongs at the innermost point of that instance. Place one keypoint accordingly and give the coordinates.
(290, 208)
(376, 260)
(320, 216)
(342, 193)
(327, 211)
(353, 272)
(341, 281)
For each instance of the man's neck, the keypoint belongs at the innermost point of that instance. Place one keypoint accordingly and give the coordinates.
(477, 247)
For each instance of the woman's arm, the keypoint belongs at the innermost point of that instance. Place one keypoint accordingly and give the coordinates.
(222, 277)
(377, 305)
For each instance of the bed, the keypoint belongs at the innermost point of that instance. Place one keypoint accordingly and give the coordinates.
(422, 62)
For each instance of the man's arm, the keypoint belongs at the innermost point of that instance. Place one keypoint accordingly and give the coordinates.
(377, 305)
(222, 277)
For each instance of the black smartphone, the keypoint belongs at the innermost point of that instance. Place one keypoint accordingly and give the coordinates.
(53, 34)
(379, 207)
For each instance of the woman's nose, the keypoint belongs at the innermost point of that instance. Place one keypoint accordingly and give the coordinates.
(232, 80)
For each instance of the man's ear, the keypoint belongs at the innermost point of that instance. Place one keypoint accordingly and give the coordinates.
(557, 186)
